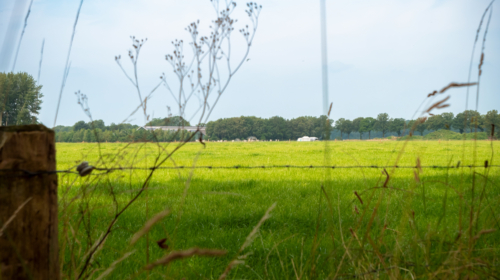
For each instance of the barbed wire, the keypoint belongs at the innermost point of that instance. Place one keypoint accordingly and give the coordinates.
(241, 167)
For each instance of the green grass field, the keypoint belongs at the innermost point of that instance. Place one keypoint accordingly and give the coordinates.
(415, 227)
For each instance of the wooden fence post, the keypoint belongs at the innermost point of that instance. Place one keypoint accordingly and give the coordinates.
(28, 243)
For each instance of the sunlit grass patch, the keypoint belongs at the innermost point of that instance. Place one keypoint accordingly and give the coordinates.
(415, 223)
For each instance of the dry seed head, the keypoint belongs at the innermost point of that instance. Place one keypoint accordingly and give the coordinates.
(439, 104)
(161, 243)
(452, 85)
(481, 64)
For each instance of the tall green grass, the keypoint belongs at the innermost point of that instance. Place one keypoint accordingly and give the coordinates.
(429, 223)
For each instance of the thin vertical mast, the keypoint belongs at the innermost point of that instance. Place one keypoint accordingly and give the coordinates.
(324, 58)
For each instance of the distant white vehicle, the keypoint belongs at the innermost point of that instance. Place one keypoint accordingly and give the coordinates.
(307, 139)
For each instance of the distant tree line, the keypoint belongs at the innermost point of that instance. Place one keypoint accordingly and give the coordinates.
(282, 129)
(266, 129)
(466, 121)
(97, 131)
(382, 126)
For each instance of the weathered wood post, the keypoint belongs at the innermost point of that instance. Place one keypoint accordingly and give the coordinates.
(28, 244)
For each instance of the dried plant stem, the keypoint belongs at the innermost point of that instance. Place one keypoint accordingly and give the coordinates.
(185, 254)
(22, 35)
(113, 266)
(40, 64)
(158, 162)
(247, 243)
(68, 64)
(474, 50)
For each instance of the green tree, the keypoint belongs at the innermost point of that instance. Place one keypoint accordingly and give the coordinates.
(272, 128)
(348, 128)
(382, 123)
(62, 128)
(60, 136)
(356, 126)
(420, 125)
(122, 126)
(397, 125)
(80, 125)
(125, 135)
(77, 136)
(468, 121)
(478, 121)
(279, 127)
(96, 135)
(323, 128)
(435, 123)
(448, 120)
(20, 99)
(87, 137)
(340, 126)
(68, 137)
(344, 126)
(492, 118)
(170, 121)
(459, 122)
(367, 125)
(474, 120)
(107, 136)
(97, 124)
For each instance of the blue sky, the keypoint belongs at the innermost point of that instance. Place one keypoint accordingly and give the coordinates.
(383, 56)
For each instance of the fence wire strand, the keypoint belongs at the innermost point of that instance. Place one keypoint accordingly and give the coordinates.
(241, 167)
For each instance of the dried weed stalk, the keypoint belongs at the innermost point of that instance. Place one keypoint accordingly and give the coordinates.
(185, 254)
(200, 77)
